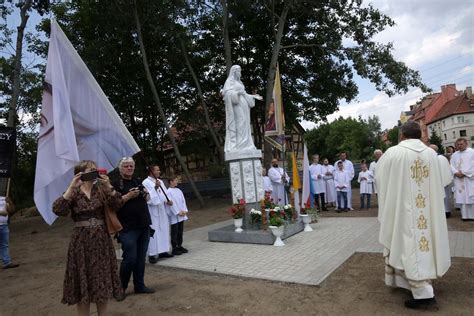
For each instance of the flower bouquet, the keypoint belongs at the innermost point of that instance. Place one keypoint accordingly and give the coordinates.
(255, 218)
(238, 210)
(290, 213)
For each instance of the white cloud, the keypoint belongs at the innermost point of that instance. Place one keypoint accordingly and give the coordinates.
(387, 109)
(467, 70)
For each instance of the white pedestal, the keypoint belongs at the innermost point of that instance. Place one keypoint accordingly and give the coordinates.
(246, 179)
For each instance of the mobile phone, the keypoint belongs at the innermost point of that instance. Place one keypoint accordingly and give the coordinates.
(102, 171)
(90, 176)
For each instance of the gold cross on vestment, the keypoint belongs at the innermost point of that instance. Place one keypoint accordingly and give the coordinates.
(424, 244)
(422, 222)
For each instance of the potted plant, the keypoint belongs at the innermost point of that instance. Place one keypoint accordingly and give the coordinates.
(289, 212)
(306, 218)
(237, 212)
(277, 226)
(255, 218)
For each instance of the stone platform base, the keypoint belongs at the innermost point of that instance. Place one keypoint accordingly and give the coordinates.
(263, 237)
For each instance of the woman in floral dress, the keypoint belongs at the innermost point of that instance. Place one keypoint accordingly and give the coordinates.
(91, 272)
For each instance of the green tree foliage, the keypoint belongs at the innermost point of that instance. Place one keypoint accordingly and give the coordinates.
(393, 135)
(358, 137)
(436, 140)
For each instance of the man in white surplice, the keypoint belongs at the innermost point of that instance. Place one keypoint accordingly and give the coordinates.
(413, 226)
(462, 165)
(328, 171)
(279, 179)
(160, 242)
(349, 168)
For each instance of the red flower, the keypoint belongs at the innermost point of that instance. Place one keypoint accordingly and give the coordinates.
(242, 202)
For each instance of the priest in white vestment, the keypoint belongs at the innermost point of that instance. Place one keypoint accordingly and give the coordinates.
(462, 164)
(413, 226)
(328, 171)
(316, 172)
(279, 180)
(349, 168)
(159, 245)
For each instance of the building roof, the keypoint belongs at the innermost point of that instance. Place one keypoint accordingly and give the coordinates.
(458, 105)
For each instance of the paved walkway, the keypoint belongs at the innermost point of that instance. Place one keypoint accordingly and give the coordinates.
(307, 258)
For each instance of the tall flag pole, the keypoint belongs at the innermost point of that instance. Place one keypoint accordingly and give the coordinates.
(77, 123)
(296, 183)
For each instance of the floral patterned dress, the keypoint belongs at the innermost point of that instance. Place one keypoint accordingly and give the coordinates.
(91, 272)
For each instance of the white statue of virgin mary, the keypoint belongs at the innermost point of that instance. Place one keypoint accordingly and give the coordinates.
(238, 135)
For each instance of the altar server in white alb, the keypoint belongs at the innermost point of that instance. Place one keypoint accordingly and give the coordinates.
(316, 172)
(365, 179)
(462, 164)
(413, 226)
(267, 183)
(279, 179)
(328, 171)
(178, 211)
(349, 168)
(159, 245)
(446, 172)
(377, 154)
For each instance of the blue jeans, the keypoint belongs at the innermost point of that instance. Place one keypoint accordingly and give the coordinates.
(4, 254)
(362, 199)
(341, 195)
(134, 246)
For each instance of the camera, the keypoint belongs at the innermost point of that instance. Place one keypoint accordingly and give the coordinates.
(141, 189)
(90, 176)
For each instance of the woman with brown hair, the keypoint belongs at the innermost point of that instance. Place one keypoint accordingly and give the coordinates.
(91, 272)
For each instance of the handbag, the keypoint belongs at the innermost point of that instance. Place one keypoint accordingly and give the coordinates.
(111, 219)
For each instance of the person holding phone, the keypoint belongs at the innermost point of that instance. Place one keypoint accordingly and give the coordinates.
(91, 271)
(136, 221)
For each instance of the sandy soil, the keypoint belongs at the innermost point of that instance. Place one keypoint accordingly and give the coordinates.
(355, 288)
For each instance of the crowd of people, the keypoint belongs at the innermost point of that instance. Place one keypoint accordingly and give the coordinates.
(151, 218)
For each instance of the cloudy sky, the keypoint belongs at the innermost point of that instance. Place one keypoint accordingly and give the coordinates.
(435, 37)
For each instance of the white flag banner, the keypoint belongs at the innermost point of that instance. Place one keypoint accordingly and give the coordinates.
(306, 194)
(77, 123)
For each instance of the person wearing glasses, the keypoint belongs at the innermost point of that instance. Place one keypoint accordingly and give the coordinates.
(135, 219)
(91, 271)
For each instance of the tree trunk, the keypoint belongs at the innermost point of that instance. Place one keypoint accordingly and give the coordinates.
(160, 108)
(11, 120)
(220, 148)
(225, 33)
(271, 76)
(17, 67)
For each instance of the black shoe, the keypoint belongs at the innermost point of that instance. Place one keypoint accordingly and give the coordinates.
(177, 252)
(145, 290)
(448, 214)
(120, 297)
(152, 259)
(11, 266)
(339, 210)
(421, 303)
(346, 210)
(165, 255)
(183, 250)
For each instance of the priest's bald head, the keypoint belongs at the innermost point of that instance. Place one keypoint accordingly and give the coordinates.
(410, 130)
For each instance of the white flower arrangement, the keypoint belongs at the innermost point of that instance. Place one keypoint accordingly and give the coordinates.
(276, 209)
(287, 206)
(255, 212)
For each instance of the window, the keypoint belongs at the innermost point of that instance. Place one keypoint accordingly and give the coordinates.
(444, 123)
(454, 134)
(452, 120)
(460, 119)
(462, 133)
(445, 138)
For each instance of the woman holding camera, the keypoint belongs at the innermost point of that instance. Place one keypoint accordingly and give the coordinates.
(91, 272)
